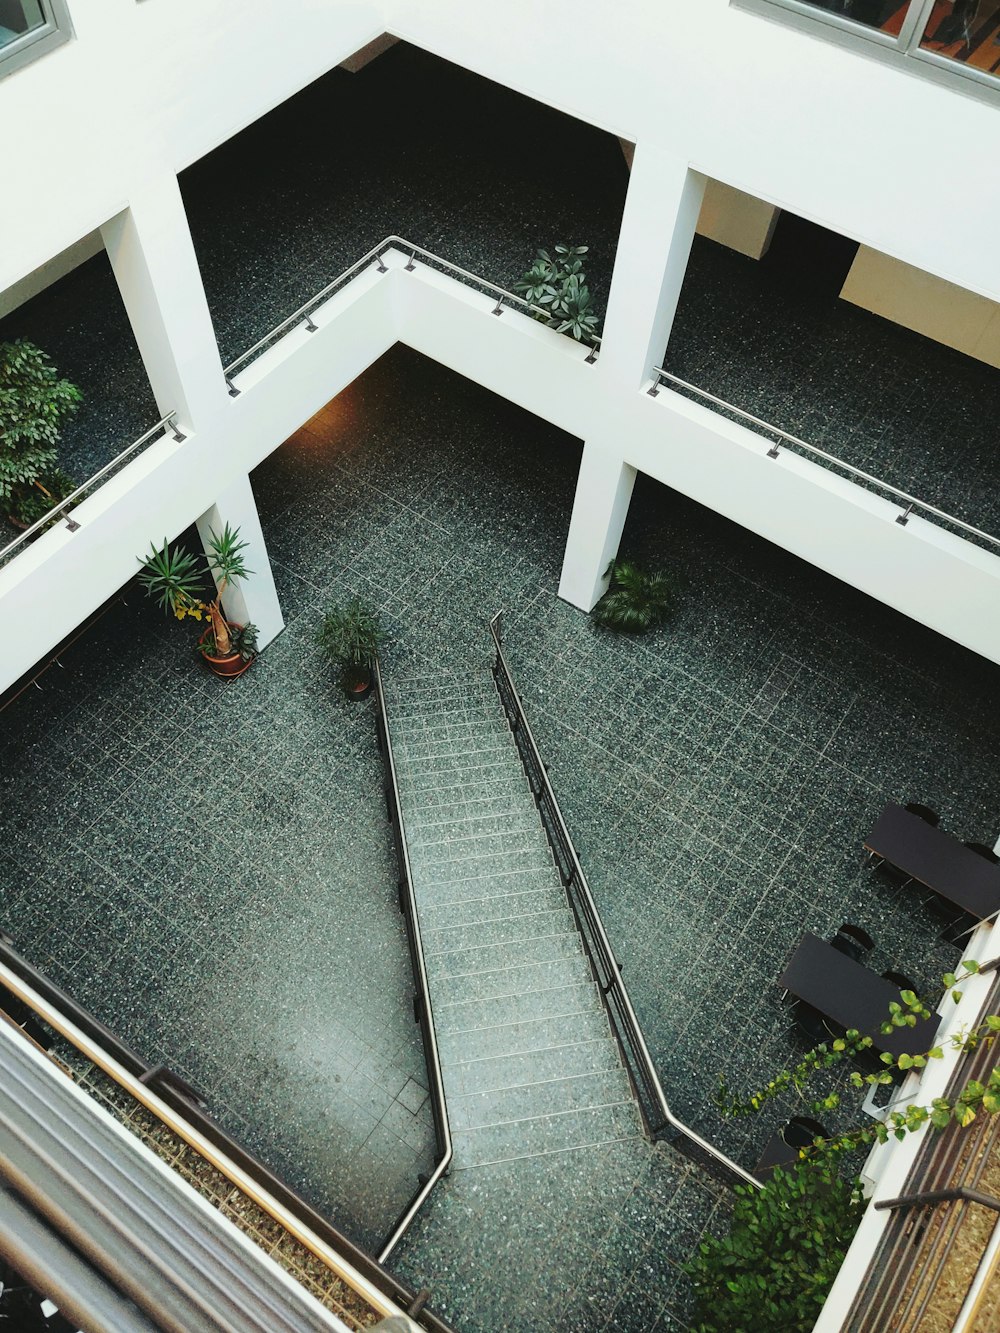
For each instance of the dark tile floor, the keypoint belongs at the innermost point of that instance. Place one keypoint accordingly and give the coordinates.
(168, 837)
(770, 339)
(207, 867)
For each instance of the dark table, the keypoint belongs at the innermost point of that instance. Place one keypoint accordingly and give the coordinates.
(937, 860)
(853, 996)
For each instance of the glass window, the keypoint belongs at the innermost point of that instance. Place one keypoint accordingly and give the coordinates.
(965, 30)
(28, 28)
(931, 32)
(887, 15)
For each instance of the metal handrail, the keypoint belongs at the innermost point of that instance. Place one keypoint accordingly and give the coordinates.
(624, 1023)
(167, 423)
(301, 316)
(179, 1107)
(425, 1013)
(907, 501)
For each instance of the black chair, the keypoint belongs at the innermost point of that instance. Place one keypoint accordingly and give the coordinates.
(924, 812)
(957, 930)
(900, 878)
(982, 850)
(898, 979)
(853, 941)
(801, 1131)
(810, 1022)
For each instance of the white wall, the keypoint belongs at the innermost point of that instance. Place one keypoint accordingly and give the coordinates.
(874, 152)
(919, 569)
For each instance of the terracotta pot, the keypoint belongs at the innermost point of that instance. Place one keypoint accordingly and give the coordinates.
(233, 664)
(356, 683)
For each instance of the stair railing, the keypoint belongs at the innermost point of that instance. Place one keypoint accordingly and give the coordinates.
(657, 1118)
(422, 1002)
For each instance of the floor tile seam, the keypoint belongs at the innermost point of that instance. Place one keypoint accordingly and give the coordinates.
(521, 1022)
(544, 1116)
(527, 963)
(472, 948)
(508, 995)
(499, 971)
(549, 1152)
(547, 1082)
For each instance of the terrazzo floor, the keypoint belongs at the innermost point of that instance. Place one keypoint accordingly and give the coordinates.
(718, 778)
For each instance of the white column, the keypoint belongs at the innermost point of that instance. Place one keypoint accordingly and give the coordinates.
(156, 269)
(661, 212)
(603, 492)
(256, 599)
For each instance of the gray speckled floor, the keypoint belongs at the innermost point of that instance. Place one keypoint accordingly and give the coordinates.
(718, 777)
(770, 339)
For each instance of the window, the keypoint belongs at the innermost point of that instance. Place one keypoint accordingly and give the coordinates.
(29, 28)
(945, 36)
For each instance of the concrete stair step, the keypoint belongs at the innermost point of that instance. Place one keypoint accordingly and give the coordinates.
(489, 883)
(461, 741)
(512, 1039)
(471, 1023)
(490, 794)
(502, 1106)
(516, 982)
(488, 958)
(457, 827)
(492, 909)
(444, 941)
(450, 770)
(498, 845)
(534, 1066)
(501, 861)
(546, 1134)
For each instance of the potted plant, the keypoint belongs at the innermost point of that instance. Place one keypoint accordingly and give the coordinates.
(174, 578)
(635, 601)
(559, 285)
(29, 503)
(34, 403)
(350, 635)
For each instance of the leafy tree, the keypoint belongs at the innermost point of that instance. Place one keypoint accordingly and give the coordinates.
(34, 404)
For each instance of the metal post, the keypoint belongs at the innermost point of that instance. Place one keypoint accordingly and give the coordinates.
(903, 518)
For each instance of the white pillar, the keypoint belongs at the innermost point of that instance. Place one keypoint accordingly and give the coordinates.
(256, 599)
(156, 269)
(661, 212)
(603, 492)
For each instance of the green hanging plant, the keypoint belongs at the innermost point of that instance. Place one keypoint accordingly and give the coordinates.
(635, 602)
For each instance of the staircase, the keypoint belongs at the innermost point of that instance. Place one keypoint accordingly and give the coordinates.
(530, 1066)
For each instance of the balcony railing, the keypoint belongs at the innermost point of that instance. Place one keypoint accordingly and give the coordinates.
(782, 439)
(63, 511)
(302, 318)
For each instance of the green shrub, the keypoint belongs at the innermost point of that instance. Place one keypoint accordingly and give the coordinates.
(772, 1272)
(34, 403)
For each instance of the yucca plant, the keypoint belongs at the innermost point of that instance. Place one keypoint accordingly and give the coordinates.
(175, 578)
(635, 601)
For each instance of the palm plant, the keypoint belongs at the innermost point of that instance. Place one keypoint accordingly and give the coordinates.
(635, 601)
(175, 579)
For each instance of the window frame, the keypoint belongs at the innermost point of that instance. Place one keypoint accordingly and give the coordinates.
(903, 51)
(54, 31)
